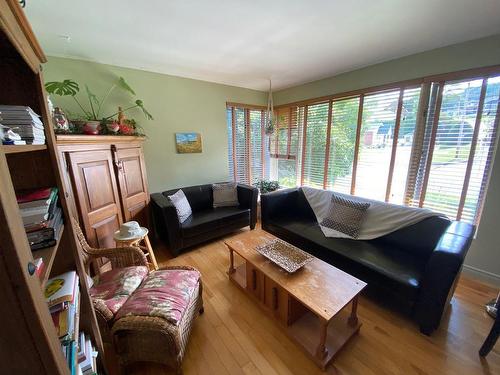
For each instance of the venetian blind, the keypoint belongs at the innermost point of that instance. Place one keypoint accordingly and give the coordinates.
(342, 144)
(459, 142)
(314, 145)
(247, 142)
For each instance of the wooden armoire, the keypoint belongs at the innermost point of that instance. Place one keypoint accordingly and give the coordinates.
(106, 176)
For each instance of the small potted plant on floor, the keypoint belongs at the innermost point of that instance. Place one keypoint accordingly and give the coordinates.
(265, 186)
(91, 118)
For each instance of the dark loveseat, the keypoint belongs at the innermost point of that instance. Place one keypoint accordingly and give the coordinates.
(206, 222)
(415, 268)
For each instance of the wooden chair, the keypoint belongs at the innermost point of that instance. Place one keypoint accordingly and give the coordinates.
(138, 334)
(492, 338)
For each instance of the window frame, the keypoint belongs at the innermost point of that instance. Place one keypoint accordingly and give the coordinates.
(422, 121)
(248, 152)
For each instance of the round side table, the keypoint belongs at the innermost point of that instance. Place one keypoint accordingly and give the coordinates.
(143, 244)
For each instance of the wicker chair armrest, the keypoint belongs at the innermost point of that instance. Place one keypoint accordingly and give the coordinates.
(102, 310)
(189, 268)
(120, 257)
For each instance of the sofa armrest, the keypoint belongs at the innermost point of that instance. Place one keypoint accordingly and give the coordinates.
(166, 221)
(276, 204)
(441, 274)
(247, 196)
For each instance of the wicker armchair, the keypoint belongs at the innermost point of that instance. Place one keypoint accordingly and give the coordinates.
(119, 257)
(139, 338)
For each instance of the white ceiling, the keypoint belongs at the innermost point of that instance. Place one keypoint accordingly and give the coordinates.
(244, 43)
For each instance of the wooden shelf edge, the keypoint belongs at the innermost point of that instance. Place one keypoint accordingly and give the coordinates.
(82, 138)
(48, 255)
(15, 149)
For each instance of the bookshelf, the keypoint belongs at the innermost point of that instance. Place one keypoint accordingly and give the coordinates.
(48, 255)
(34, 346)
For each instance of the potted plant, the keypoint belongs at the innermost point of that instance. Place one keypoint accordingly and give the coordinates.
(266, 186)
(91, 114)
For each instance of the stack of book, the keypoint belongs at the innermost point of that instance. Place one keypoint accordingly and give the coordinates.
(25, 122)
(42, 217)
(87, 355)
(63, 298)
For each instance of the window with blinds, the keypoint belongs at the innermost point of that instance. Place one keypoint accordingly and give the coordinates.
(342, 144)
(459, 142)
(424, 143)
(284, 146)
(314, 144)
(247, 151)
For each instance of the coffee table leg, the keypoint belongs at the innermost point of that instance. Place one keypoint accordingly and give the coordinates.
(322, 351)
(231, 262)
(353, 319)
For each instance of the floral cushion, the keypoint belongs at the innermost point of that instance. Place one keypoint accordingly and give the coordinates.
(164, 293)
(114, 287)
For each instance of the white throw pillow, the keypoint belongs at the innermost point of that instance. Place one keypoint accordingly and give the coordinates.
(181, 204)
(225, 194)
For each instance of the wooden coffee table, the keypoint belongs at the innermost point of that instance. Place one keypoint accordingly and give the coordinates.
(309, 304)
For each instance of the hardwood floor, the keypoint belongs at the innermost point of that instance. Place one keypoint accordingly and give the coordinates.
(235, 336)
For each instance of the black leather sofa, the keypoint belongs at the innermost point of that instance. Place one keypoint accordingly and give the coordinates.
(206, 222)
(414, 268)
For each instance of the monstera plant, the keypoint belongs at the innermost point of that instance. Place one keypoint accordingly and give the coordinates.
(92, 109)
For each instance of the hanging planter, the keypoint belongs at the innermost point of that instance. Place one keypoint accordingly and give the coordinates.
(270, 118)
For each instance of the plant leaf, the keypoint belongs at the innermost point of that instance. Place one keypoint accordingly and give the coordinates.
(124, 85)
(64, 88)
(140, 104)
(92, 96)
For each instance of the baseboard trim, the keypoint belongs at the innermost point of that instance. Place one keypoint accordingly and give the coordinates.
(482, 275)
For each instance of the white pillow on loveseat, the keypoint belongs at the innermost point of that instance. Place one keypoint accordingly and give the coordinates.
(181, 204)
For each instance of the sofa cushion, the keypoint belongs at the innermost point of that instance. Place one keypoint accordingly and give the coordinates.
(181, 205)
(405, 269)
(165, 294)
(420, 239)
(225, 194)
(200, 197)
(207, 220)
(345, 215)
(114, 287)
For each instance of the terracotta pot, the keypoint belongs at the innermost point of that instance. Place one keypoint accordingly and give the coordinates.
(92, 128)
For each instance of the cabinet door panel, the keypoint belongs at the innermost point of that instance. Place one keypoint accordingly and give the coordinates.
(97, 196)
(132, 184)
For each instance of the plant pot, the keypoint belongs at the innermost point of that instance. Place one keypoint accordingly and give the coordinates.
(113, 127)
(92, 127)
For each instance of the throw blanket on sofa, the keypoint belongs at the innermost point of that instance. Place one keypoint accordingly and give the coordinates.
(381, 218)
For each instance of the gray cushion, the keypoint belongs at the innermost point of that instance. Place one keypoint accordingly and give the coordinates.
(345, 215)
(181, 204)
(225, 194)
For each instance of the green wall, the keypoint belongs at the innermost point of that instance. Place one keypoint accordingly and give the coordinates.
(178, 105)
(473, 54)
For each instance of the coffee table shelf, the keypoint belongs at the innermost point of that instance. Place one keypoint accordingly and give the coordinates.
(316, 306)
(305, 331)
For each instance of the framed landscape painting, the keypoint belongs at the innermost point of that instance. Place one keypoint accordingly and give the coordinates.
(188, 143)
